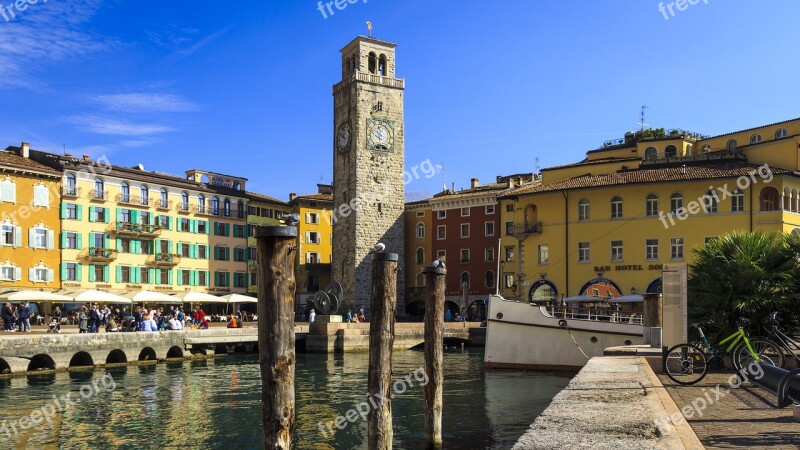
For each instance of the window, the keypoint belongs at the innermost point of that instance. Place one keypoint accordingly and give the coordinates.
(464, 280)
(9, 235)
(488, 228)
(70, 211)
(240, 279)
(201, 204)
(441, 232)
(441, 214)
(420, 256)
(124, 245)
(70, 272)
(185, 250)
(488, 254)
(99, 215)
(312, 218)
(671, 151)
(583, 252)
(144, 195)
(40, 238)
(731, 145)
(238, 231)
(202, 278)
(737, 201)
(464, 212)
(202, 252)
(489, 279)
(465, 255)
(252, 254)
(312, 237)
(8, 191)
(10, 273)
(510, 208)
(676, 248)
(464, 230)
(124, 215)
(41, 275)
(544, 254)
(312, 258)
(163, 200)
(186, 278)
(124, 192)
(710, 202)
(509, 228)
(147, 247)
(651, 205)
(144, 217)
(220, 229)
(675, 202)
(125, 274)
(651, 153)
(215, 206)
(616, 251)
(508, 280)
(99, 189)
(163, 222)
(420, 213)
(226, 206)
(420, 231)
(202, 226)
(755, 139)
(489, 209)
(706, 149)
(100, 274)
(70, 240)
(616, 208)
(163, 276)
(770, 199)
(509, 254)
(41, 196)
(780, 134)
(184, 225)
(71, 186)
(584, 210)
(144, 275)
(221, 253)
(441, 254)
(240, 254)
(651, 249)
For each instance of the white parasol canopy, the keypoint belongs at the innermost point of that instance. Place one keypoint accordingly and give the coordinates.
(95, 296)
(627, 299)
(199, 297)
(151, 297)
(33, 296)
(239, 298)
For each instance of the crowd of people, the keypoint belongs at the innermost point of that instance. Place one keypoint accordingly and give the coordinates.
(92, 318)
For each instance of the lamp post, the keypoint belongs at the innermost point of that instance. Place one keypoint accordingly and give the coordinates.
(464, 286)
(502, 275)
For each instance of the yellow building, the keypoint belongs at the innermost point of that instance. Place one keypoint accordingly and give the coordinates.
(419, 251)
(606, 225)
(29, 217)
(314, 242)
(262, 210)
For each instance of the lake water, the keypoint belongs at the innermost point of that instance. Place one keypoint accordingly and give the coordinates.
(215, 403)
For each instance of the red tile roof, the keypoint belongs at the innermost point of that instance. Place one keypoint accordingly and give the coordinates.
(11, 159)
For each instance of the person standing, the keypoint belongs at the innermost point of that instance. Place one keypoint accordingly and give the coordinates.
(312, 316)
(57, 318)
(83, 321)
(448, 316)
(6, 314)
(24, 314)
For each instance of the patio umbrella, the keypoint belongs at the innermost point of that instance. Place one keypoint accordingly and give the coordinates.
(199, 297)
(33, 296)
(583, 298)
(95, 296)
(627, 299)
(151, 297)
(238, 298)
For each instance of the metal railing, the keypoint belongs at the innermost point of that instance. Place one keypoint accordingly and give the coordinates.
(524, 228)
(596, 315)
(95, 194)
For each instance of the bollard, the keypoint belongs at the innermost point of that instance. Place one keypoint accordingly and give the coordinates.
(653, 319)
(434, 343)
(383, 306)
(276, 353)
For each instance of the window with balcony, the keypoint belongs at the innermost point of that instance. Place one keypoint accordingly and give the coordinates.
(184, 201)
(144, 217)
(144, 195)
(71, 185)
(99, 189)
(163, 198)
(201, 204)
(226, 206)
(215, 206)
(125, 192)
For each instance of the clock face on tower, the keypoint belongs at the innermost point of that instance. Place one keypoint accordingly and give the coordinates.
(380, 135)
(343, 137)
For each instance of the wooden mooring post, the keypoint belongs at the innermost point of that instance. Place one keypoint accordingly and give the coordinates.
(276, 354)
(434, 349)
(383, 306)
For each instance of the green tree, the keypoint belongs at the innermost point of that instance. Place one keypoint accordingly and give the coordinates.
(749, 275)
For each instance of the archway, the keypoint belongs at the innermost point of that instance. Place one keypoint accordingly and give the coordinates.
(542, 291)
(41, 362)
(147, 354)
(655, 287)
(5, 368)
(81, 359)
(415, 309)
(601, 287)
(175, 352)
(477, 310)
(117, 357)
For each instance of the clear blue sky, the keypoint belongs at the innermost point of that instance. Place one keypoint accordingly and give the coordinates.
(244, 87)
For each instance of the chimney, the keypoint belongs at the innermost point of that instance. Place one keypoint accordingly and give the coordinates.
(510, 182)
(474, 183)
(85, 157)
(292, 196)
(25, 150)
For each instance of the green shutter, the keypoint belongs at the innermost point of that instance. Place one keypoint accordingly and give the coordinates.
(119, 245)
(78, 271)
(63, 271)
(91, 273)
(79, 213)
(227, 279)
(107, 240)
(107, 215)
(105, 274)
(169, 276)
(119, 274)
(208, 227)
(63, 210)
(227, 229)
(91, 214)
(134, 214)
(227, 253)
(151, 273)
(79, 240)
(119, 214)
(63, 241)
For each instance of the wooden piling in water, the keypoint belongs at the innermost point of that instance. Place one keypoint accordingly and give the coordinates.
(276, 353)
(434, 349)
(383, 306)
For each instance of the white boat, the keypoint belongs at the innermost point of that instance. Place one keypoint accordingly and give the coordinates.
(523, 335)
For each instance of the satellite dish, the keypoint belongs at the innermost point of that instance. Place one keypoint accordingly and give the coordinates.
(141, 167)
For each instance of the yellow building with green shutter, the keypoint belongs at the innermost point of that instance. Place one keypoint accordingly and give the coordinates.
(29, 223)
(606, 225)
(314, 242)
(262, 210)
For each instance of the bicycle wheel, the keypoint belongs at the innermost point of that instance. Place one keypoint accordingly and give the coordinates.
(768, 353)
(685, 364)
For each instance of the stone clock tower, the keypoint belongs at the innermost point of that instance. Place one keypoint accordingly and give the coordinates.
(368, 164)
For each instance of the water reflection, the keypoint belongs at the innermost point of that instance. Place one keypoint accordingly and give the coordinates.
(216, 404)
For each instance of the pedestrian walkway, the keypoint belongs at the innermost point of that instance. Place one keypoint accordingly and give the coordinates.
(735, 418)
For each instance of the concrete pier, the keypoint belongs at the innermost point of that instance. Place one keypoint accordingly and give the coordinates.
(614, 402)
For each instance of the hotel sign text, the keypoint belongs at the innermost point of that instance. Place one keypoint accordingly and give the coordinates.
(628, 267)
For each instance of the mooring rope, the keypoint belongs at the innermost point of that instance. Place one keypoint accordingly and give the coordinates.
(576, 344)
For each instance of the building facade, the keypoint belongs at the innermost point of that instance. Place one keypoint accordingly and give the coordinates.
(606, 226)
(262, 211)
(368, 164)
(29, 218)
(418, 217)
(314, 243)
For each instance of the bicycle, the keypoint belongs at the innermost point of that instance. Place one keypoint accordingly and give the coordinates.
(688, 363)
(787, 344)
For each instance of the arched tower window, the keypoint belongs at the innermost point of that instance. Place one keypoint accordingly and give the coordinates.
(420, 256)
(372, 63)
(124, 192)
(382, 66)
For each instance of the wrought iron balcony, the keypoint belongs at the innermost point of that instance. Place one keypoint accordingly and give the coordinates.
(183, 207)
(98, 195)
(135, 229)
(128, 199)
(165, 259)
(70, 191)
(101, 254)
(164, 204)
(524, 229)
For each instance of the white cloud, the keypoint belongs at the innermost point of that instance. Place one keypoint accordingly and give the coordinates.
(136, 102)
(109, 125)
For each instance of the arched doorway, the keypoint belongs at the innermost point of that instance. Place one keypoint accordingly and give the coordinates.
(542, 291)
(601, 287)
(655, 287)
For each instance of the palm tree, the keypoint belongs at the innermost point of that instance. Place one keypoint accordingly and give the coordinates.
(747, 275)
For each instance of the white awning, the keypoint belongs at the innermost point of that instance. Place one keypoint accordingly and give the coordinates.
(627, 299)
(199, 297)
(95, 296)
(239, 298)
(151, 297)
(33, 296)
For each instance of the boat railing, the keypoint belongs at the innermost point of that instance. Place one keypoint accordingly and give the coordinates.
(596, 315)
